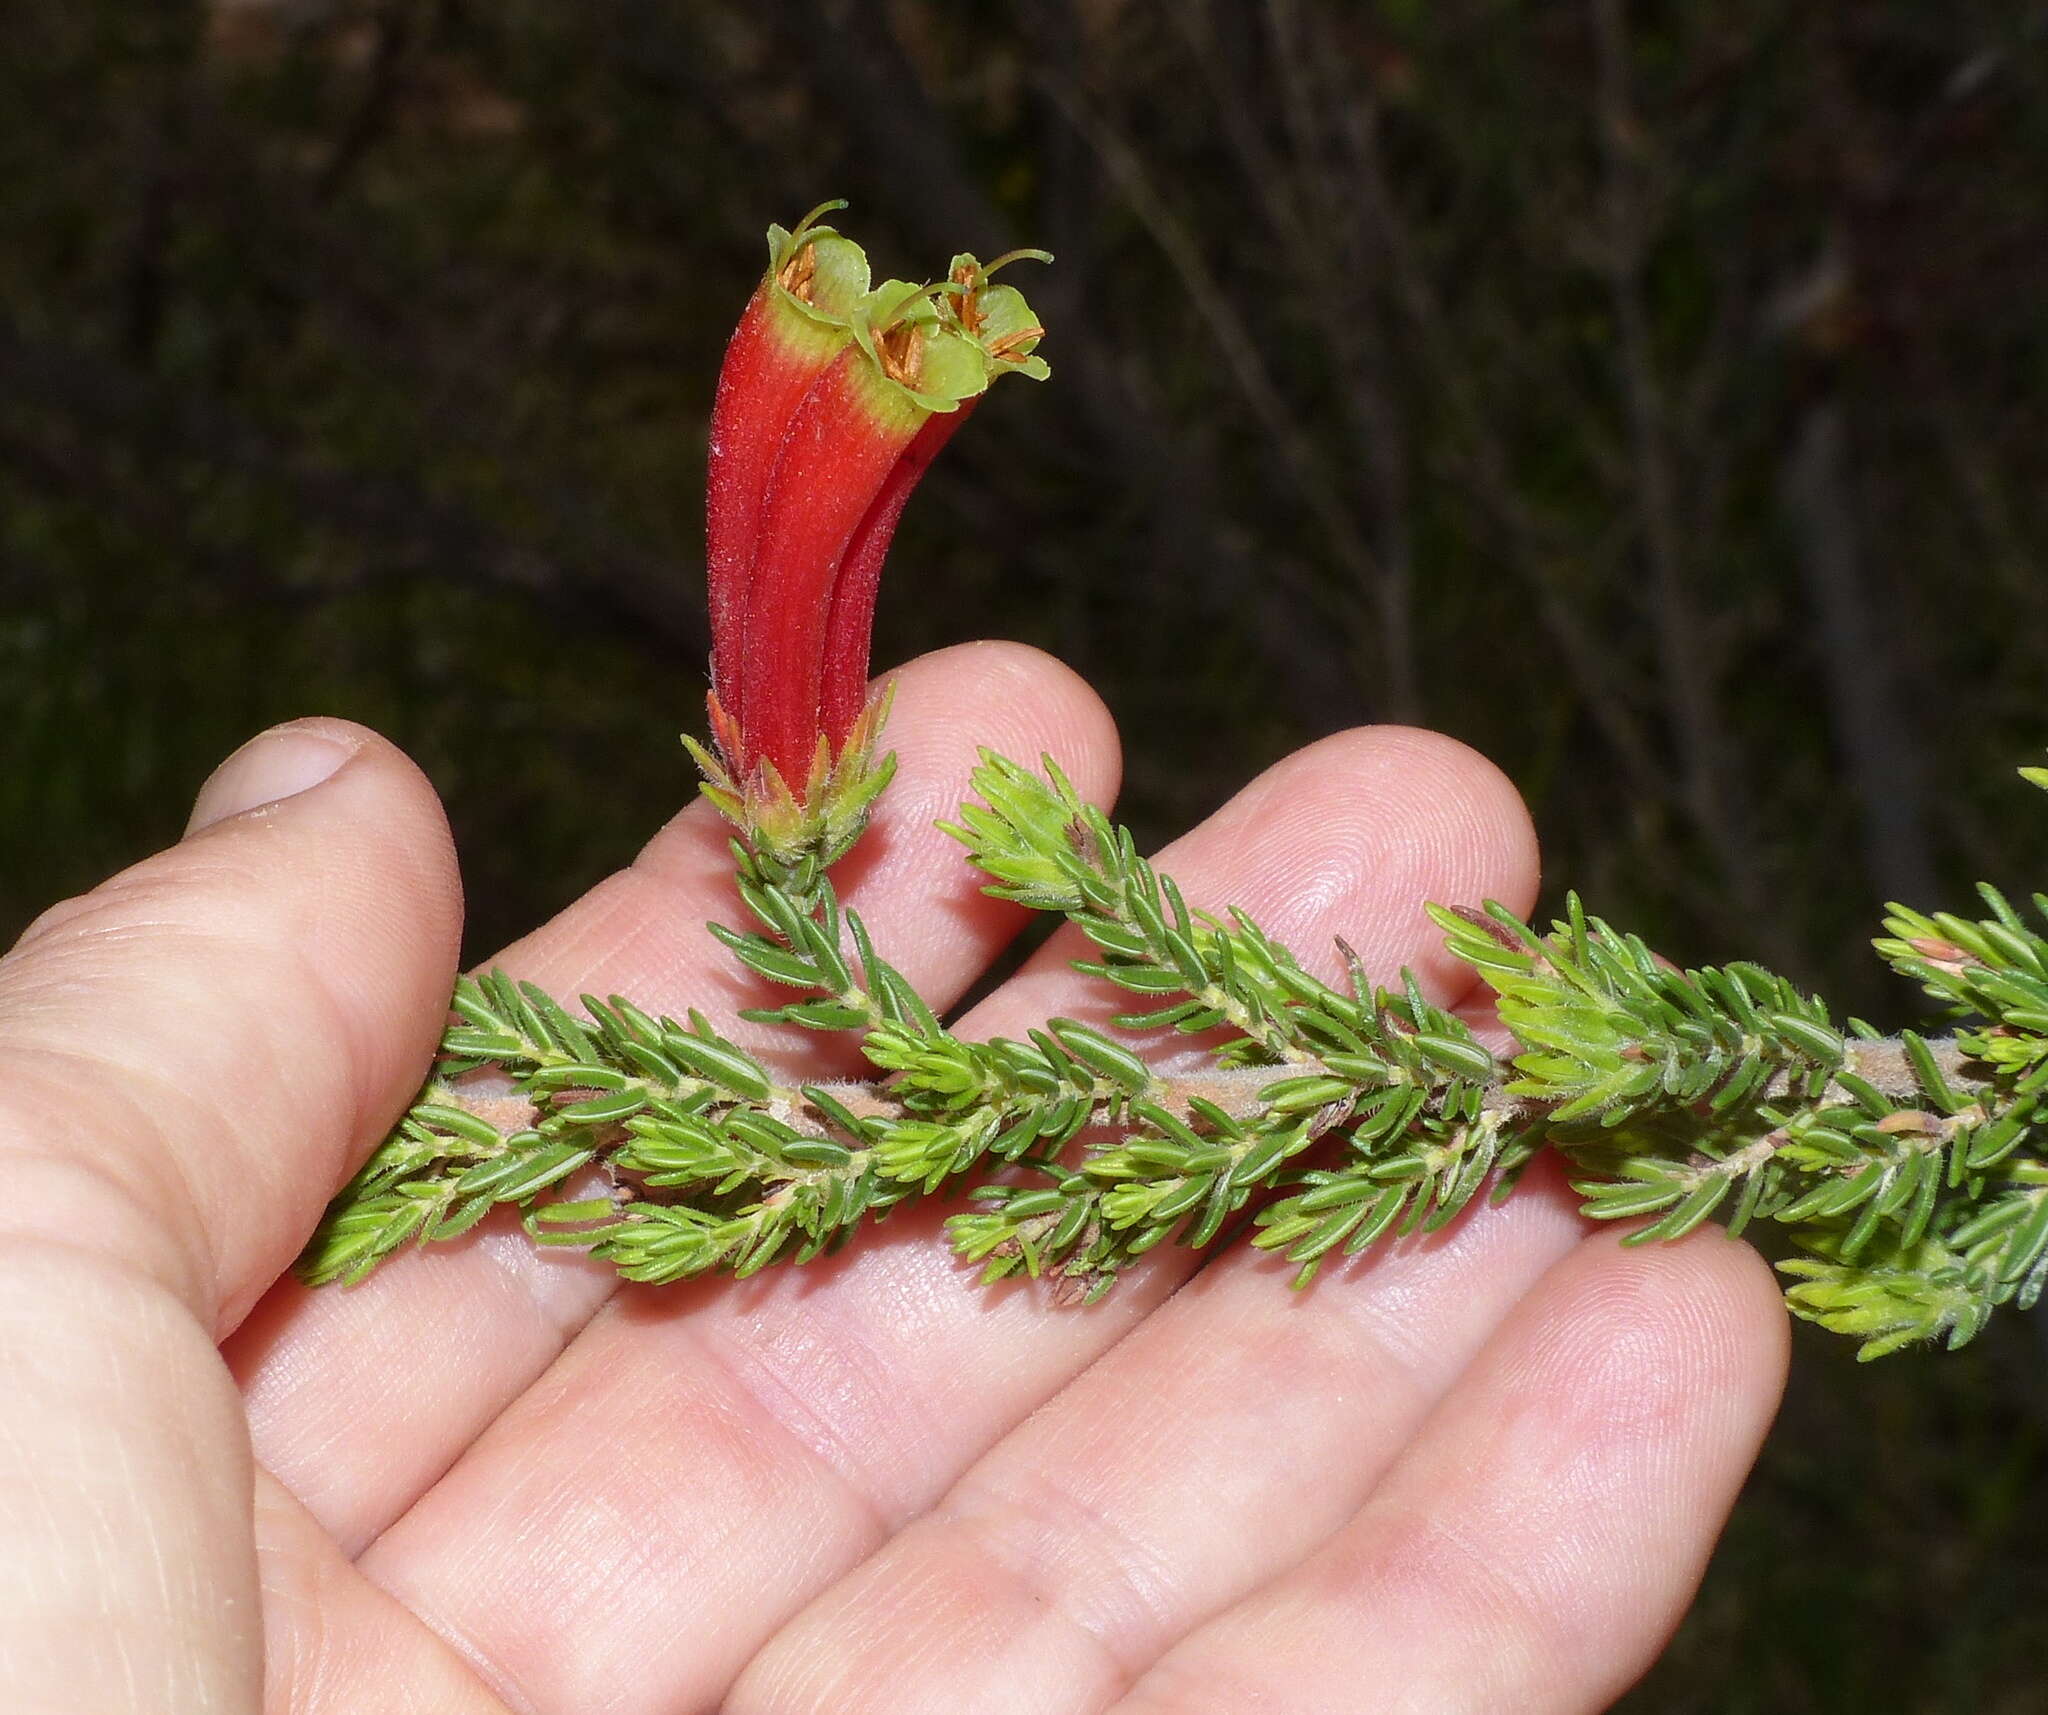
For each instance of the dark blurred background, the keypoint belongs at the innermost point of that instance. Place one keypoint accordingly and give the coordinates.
(1649, 394)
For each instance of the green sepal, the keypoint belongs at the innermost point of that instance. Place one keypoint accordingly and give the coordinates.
(802, 835)
(998, 318)
(839, 271)
(950, 366)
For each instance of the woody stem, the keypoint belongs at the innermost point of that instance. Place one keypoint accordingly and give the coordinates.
(1883, 1065)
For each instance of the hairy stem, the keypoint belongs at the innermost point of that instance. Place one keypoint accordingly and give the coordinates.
(1235, 1090)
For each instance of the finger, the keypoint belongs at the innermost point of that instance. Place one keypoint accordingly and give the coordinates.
(1231, 1431)
(754, 1444)
(126, 1580)
(360, 1398)
(272, 977)
(197, 1051)
(335, 1644)
(1211, 1449)
(1539, 1542)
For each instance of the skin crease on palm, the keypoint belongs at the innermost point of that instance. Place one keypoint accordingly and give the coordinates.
(1477, 1471)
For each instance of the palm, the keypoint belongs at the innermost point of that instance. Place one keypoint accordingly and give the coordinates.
(1478, 1471)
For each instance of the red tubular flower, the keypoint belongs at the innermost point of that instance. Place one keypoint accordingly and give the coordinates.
(843, 690)
(999, 321)
(799, 543)
(796, 323)
(858, 420)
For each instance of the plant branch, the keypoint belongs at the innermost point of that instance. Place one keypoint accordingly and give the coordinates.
(1883, 1065)
(1911, 1173)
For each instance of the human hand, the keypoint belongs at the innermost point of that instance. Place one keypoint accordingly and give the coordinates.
(1476, 1471)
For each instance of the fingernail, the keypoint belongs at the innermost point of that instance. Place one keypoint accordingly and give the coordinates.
(272, 766)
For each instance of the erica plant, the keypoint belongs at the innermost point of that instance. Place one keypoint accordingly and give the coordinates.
(834, 399)
(1909, 1175)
